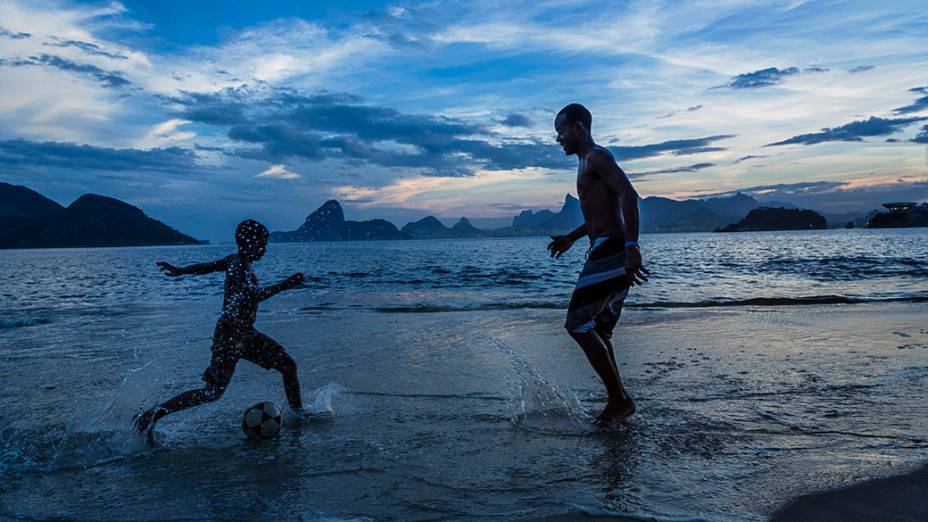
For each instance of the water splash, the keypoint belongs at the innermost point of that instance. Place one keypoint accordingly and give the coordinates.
(535, 403)
(320, 401)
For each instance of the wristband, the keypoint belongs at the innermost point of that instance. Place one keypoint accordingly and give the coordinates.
(632, 243)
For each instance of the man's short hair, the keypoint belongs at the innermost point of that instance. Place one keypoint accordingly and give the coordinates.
(576, 112)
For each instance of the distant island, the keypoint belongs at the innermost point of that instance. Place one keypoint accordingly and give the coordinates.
(430, 227)
(901, 215)
(327, 223)
(30, 220)
(766, 218)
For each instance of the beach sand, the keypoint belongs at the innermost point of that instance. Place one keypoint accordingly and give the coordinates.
(472, 415)
(901, 498)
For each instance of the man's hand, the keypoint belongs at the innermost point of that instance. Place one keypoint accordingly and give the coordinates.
(636, 273)
(168, 269)
(294, 280)
(559, 245)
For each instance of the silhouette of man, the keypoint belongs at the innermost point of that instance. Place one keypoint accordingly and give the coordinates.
(610, 210)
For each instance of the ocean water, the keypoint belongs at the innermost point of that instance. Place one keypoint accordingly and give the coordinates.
(765, 365)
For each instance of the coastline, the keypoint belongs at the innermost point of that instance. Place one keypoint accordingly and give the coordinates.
(899, 498)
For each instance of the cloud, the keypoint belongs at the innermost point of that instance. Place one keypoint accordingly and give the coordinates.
(854, 131)
(749, 157)
(697, 150)
(23, 153)
(676, 170)
(278, 172)
(922, 136)
(14, 36)
(861, 68)
(107, 78)
(917, 106)
(284, 124)
(88, 48)
(694, 108)
(815, 69)
(857, 195)
(516, 120)
(677, 147)
(762, 78)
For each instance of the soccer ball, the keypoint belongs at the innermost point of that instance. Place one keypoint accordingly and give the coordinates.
(262, 421)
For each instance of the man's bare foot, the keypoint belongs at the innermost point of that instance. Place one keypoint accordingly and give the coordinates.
(615, 412)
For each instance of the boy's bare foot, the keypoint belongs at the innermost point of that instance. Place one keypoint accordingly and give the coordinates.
(145, 427)
(142, 421)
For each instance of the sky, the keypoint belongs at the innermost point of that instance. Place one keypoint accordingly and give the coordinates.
(207, 113)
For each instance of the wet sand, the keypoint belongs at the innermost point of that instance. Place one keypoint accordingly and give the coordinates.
(898, 498)
(468, 415)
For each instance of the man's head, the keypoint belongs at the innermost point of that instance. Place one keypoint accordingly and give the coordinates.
(251, 238)
(573, 125)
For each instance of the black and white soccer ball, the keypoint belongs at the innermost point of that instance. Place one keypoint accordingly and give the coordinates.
(262, 421)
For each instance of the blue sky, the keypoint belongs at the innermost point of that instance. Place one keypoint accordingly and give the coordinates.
(204, 113)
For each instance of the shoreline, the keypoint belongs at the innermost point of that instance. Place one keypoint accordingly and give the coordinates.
(900, 498)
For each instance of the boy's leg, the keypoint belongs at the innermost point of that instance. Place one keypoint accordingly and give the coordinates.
(216, 377)
(187, 399)
(270, 355)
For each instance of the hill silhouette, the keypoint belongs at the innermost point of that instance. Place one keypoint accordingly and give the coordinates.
(327, 223)
(766, 218)
(30, 220)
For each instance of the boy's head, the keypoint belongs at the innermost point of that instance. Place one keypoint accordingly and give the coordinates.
(251, 238)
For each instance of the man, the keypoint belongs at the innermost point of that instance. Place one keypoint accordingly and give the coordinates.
(610, 210)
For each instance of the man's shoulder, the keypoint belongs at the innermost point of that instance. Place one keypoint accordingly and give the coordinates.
(599, 153)
(599, 160)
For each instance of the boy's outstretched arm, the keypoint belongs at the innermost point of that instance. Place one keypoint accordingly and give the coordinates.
(288, 283)
(170, 270)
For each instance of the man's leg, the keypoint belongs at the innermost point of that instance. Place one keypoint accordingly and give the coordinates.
(601, 355)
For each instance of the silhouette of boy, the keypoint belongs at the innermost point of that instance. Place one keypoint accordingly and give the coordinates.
(235, 336)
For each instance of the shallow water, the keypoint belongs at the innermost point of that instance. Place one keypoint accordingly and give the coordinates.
(463, 414)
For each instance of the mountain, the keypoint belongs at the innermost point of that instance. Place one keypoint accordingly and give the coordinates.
(545, 222)
(917, 216)
(427, 228)
(374, 229)
(529, 219)
(693, 215)
(23, 214)
(766, 218)
(463, 229)
(327, 223)
(431, 228)
(734, 207)
(657, 215)
(568, 218)
(100, 221)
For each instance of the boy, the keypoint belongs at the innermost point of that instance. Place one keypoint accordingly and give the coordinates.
(235, 336)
